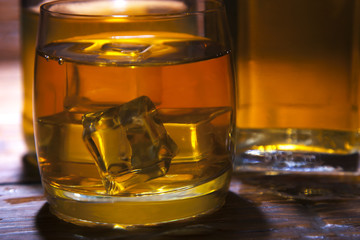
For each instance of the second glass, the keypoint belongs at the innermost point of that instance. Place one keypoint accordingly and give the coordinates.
(298, 96)
(133, 110)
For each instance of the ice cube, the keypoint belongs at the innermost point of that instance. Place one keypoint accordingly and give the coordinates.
(129, 144)
(198, 132)
(135, 51)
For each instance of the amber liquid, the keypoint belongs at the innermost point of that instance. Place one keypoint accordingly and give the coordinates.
(29, 22)
(77, 76)
(297, 105)
(298, 65)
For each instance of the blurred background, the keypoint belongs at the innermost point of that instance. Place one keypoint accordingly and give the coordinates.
(12, 146)
(9, 30)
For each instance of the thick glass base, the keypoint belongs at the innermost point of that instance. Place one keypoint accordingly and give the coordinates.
(137, 211)
(300, 163)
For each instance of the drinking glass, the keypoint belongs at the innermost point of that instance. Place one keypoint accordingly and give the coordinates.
(297, 106)
(133, 109)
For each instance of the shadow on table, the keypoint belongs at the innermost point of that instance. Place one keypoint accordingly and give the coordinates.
(30, 171)
(236, 219)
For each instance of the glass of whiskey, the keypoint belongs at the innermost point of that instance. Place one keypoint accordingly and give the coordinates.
(133, 110)
(297, 116)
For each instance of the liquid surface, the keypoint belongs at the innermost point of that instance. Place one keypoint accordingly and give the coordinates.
(98, 72)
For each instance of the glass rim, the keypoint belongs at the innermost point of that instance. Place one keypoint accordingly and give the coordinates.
(46, 8)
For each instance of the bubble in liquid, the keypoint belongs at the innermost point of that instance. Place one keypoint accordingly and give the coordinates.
(61, 61)
(47, 58)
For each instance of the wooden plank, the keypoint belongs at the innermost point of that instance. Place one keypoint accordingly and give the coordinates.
(24, 212)
(19, 205)
(306, 219)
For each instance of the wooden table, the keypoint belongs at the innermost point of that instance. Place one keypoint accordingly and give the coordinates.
(249, 212)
